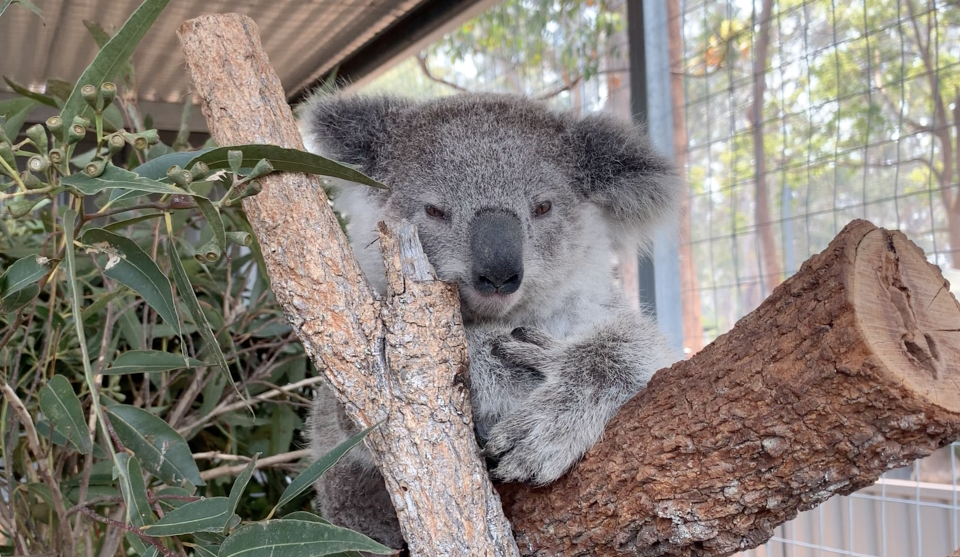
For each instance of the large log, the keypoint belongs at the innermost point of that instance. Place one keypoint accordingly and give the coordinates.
(849, 369)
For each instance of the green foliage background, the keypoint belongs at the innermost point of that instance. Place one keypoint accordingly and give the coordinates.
(144, 362)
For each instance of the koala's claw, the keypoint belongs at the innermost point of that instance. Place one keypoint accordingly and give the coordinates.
(525, 348)
(532, 336)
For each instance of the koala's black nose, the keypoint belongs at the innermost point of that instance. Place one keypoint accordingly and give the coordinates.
(496, 242)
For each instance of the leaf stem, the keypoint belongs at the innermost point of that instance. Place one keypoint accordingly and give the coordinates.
(13, 174)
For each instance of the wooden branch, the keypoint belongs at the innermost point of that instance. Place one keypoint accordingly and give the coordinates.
(266, 462)
(849, 369)
(399, 362)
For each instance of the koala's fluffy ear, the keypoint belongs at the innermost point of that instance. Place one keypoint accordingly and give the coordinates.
(350, 128)
(616, 168)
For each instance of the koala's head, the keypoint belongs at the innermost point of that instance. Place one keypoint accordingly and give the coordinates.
(512, 200)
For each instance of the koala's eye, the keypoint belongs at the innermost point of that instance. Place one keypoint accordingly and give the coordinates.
(434, 212)
(542, 209)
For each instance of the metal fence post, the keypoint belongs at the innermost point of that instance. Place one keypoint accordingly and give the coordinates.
(659, 274)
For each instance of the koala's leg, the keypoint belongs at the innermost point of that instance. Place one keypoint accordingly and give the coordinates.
(351, 493)
(587, 378)
(353, 496)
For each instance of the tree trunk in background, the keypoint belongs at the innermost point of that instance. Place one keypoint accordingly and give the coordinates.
(849, 369)
(689, 296)
(769, 259)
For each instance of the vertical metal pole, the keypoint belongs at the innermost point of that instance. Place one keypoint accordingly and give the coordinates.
(659, 275)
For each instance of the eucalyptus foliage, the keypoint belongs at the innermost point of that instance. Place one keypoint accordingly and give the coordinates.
(141, 350)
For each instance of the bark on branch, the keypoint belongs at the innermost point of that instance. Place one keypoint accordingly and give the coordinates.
(850, 368)
(400, 362)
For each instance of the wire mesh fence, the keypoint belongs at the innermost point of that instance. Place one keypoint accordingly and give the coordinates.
(797, 116)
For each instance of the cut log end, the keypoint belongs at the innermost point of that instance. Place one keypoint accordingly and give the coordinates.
(907, 313)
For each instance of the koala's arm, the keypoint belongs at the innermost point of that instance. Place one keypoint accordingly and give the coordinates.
(585, 379)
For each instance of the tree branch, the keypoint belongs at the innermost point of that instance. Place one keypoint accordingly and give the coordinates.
(267, 462)
(847, 370)
(422, 60)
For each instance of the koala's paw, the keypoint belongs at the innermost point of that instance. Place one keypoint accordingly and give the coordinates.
(555, 426)
(534, 444)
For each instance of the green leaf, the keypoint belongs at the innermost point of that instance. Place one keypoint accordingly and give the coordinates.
(22, 273)
(134, 491)
(205, 550)
(24, 92)
(282, 159)
(150, 361)
(159, 448)
(170, 504)
(25, 3)
(205, 515)
(120, 225)
(16, 112)
(59, 89)
(16, 301)
(213, 218)
(112, 57)
(114, 177)
(62, 407)
(196, 312)
(130, 265)
(156, 169)
(101, 302)
(296, 538)
(315, 470)
(304, 515)
(287, 160)
(238, 488)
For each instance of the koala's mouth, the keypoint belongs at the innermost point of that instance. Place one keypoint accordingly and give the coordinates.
(488, 305)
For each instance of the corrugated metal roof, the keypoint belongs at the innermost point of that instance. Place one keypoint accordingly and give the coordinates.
(303, 38)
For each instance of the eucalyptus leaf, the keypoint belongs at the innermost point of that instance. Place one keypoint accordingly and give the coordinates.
(19, 299)
(134, 268)
(134, 491)
(101, 37)
(62, 407)
(150, 361)
(313, 472)
(213, 219)
(160, 449)
(296, 538)
(25, 3)
(304, 515)
(286, 160)
(205, 515)
(113, 178)
(16, 112)
(166, 500)
(196, 312)
(282, 159)
(110, 61)
(156, 169)
(237, 489)
(24, 92)
(24, 272)
(205, 550)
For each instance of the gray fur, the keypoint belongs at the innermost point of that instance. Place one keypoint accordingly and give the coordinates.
(552, 362)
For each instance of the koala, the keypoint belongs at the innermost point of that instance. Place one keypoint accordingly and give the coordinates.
(524, 208)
